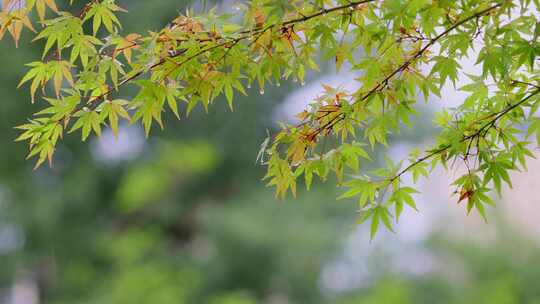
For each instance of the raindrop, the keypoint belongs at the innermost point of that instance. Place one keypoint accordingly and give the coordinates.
(295, 80)
(249, 86)
(278, 84)
(261, 91)
(303, 83)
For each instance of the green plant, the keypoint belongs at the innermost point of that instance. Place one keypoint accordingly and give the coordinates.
(409, 48)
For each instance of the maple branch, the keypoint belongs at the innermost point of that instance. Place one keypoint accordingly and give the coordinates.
(383, 83)
(246, 34)
(419, 54)
(525, 83)
(478, 133)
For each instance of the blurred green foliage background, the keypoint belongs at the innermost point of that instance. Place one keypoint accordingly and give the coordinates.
(185, 218)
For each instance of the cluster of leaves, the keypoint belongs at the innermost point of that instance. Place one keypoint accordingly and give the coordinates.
(403, 49)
